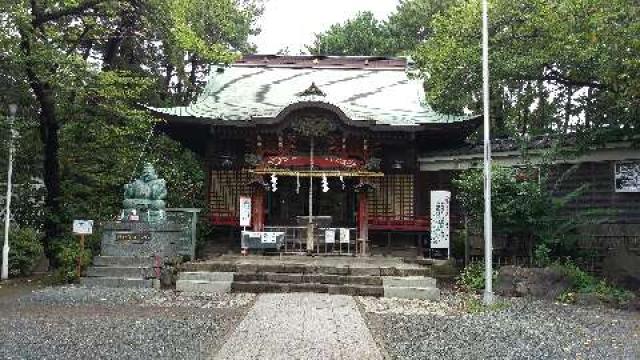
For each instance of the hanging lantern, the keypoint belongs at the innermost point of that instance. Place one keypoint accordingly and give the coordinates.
(342, 182)
(274, 183)
(297, 183)
(325, 183)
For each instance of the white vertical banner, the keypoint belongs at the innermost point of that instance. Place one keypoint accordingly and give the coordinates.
(344, 236)
(330, 236)
(245, 211)
(440, 219)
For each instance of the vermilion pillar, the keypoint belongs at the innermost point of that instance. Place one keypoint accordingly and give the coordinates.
(257, 209)
(363, 223)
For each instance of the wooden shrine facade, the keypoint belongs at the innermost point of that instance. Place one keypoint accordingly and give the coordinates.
(315, 137)
(364, 171)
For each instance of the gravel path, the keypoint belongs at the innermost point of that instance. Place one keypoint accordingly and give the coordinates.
(519, 329)
(301, 326)
(80, 323)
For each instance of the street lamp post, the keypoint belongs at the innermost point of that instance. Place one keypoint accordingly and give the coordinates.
(7, 213)
(488, 223)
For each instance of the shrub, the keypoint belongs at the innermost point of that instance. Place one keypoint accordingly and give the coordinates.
(583, 282)
(472, 277)
(67, 252)
(25, 250)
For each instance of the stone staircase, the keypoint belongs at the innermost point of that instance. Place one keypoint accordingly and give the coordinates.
(120, 272)
(355, 280)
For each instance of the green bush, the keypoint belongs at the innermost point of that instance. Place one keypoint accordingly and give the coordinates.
(25, 250)
(583, 282)
(67, 252)
(472, 277)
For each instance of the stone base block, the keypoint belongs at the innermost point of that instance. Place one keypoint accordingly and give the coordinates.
(216, 287)
(409, 281)
(111, 282)
(205, 276)
(406, 292)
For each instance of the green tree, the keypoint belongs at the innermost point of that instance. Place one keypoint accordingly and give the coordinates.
(559, 66)
(362, 35)
(81, 67)
(411, 24)
(406, 28)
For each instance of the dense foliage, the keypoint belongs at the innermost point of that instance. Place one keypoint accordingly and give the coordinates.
(79, 71)
(557, 67)
(25, 252)
(524, 210)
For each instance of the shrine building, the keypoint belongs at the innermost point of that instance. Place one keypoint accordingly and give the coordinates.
(325, 148)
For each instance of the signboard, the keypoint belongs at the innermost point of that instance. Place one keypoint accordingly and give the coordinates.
(440, 219)
(269, 237)
(344, 236)
(138, 237)
(245, 211)
(627, 176)
(330, 236)
(83, 227)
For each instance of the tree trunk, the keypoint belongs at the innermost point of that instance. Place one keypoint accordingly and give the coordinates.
(49, 127)
(49, 135)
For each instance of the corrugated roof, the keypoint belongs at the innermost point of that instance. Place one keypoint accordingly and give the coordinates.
(263, 89)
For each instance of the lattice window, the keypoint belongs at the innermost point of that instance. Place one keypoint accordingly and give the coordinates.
(392, 197)
(225, 189)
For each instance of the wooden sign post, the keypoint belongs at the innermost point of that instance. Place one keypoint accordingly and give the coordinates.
(81, 228)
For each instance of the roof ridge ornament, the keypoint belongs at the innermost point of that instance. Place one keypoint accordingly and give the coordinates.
(312, 90)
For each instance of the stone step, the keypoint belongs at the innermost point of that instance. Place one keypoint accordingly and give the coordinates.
(360, 270)
(130, 272)
(123, 261)
(206, 276)
(408, 292)
(274, 287)
(409, 281)
(116, 282)
(203, 286)
(298, 278)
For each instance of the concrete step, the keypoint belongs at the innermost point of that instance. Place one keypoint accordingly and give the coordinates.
(409, 281)
(120, 272)
(408, 292)
(300, 278)
(274, 287)
(358, 270)
(116, 282)
(123, 261)
(203, 286)
(206, 276)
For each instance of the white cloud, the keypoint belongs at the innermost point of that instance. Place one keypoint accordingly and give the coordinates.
(292, 23)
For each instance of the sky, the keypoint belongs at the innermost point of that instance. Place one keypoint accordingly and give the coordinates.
(292, 23)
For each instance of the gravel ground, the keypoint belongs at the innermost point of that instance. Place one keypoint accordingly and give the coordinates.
(79, 323)
(516, 329)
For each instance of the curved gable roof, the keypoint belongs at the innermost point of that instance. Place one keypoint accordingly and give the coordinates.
(252, 91)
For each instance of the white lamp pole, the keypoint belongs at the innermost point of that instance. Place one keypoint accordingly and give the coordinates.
(7, 212)
(488, 246)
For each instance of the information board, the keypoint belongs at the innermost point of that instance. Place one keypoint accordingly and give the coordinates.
(440, 219)
(83, 227)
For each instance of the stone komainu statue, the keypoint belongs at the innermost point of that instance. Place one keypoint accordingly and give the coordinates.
(146, 195)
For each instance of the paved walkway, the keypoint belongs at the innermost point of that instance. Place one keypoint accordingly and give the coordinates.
(301, 326)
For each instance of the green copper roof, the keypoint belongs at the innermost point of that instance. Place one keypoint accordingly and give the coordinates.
(244, 93)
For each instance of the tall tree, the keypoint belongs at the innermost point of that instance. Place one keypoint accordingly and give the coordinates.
(407, 27)
(70, 54)
(362, 35)
(411, 23)
(559, 66)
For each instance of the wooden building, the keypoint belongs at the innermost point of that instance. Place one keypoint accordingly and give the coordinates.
(317, 143)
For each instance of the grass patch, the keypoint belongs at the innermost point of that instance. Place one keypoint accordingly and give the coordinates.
(474, 305)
